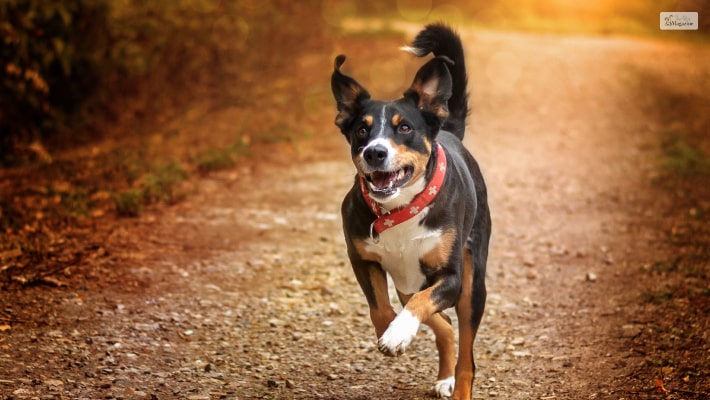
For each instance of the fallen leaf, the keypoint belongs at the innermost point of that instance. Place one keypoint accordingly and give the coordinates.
(52, 281)
(659, 386)
(9, 254)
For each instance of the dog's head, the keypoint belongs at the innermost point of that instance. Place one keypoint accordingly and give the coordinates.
(391, 141)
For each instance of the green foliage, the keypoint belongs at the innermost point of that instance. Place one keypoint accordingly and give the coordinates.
(129, 203)
(160, 185)
(219, 159)
(682, 158)
(658, 297)
(51, 52)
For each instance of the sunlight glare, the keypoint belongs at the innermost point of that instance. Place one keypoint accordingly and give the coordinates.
(333, 12)
(449, 14)
(414, 10)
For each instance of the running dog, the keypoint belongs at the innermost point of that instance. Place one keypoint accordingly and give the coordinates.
(418, 209)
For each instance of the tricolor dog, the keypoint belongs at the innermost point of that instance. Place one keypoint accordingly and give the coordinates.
(417, 210)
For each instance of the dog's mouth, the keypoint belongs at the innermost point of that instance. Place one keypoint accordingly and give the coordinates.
(386, 183)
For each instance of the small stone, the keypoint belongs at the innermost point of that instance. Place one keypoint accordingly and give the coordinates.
(631, 330)
(518, 341)
(591, 277)
(290, 384)
(332, 377)
(272, 383)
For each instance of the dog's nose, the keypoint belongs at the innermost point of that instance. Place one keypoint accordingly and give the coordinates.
(375, 155)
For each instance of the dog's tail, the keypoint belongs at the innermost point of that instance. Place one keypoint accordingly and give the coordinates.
(443, 41)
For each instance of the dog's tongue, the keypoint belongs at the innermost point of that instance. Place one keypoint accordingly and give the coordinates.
(383, 180)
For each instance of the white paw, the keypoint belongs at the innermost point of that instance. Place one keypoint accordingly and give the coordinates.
(444, 387)
(399, 334)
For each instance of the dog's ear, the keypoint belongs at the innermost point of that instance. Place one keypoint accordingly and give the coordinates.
(431, 89)
(349, 95)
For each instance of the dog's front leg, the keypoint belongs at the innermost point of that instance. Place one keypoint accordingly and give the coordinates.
(420, 307)
(446, 346)
(373, 282)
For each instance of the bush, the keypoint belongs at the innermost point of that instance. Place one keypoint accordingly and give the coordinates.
(52, 53)
(63, 60)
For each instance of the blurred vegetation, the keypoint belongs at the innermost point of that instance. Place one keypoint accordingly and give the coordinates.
(678, 290)
(634, 17)
(51, 55)
(64, 65)
(681, 157)
(111, 105)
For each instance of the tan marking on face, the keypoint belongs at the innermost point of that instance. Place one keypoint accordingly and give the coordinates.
(407, 156)
(368, 120)
(361, 248)
(439, 255)
(397, 119)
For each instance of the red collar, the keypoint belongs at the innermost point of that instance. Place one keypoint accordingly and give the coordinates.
(386, 220)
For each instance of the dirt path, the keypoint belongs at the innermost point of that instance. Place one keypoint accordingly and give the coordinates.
(244, 290)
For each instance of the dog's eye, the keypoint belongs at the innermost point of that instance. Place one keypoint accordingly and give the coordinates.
(404, 128)
(362, 132)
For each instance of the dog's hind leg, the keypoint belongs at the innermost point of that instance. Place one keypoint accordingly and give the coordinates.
(469, 310)
(446, 346)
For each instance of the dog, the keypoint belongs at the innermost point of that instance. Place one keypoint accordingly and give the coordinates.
(418, 208)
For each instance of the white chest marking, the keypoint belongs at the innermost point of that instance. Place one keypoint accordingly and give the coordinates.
(400, 249)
